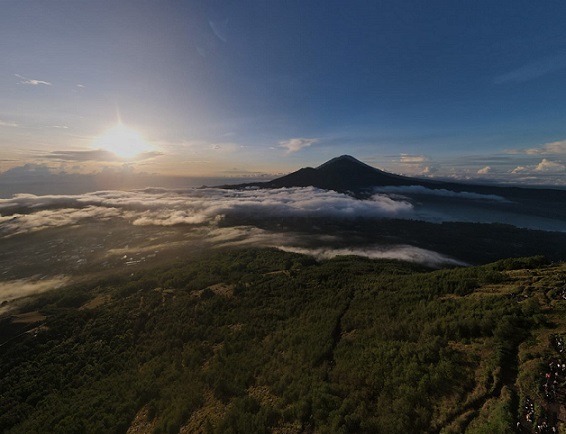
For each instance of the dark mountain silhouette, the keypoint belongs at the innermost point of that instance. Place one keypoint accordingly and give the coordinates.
(343, 173)
(347, 174)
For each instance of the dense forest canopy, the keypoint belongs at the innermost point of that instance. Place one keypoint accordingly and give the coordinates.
(259, 340)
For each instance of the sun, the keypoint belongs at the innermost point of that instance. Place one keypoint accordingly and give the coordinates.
(123, 142)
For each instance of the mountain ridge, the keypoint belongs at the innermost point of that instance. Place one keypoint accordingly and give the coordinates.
(346, 174)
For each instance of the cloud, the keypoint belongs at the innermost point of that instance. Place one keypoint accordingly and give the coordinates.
(220, 217)
(94, 155)
(8, 124)
(519, 169)
(400, 252)
(418, 189)
(16, 289)
(219, 29)
(545, 166)
(533, 70)
(485, 170)
(44, 219)
(296, 144)
(430, 170)
(412, 159)
(558, 147)
(160, 207)
(549, 166)
(100, 155)
(29, 169)
(33, 82)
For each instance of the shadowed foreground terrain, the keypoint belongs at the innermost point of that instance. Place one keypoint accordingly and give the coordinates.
(259, 340)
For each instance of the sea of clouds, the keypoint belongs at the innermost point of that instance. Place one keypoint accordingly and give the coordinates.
(27, 213)
(201, 213)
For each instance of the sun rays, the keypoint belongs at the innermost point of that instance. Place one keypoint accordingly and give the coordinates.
(124, 142)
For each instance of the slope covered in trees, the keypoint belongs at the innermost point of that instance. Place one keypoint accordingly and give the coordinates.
(258, 340)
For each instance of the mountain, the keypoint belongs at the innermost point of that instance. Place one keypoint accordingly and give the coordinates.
(344, 173)
(347, 174)
(340, 174)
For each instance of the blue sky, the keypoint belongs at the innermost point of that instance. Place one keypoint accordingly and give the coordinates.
(240, 88)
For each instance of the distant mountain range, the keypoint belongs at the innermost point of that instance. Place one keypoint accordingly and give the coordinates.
(348, 175)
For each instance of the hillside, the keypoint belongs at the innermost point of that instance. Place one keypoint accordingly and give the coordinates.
(258, 340)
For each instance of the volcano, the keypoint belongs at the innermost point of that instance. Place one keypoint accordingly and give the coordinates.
(347, 174)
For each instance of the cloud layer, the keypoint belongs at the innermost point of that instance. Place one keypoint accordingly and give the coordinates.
(223, 217)
(27, 213)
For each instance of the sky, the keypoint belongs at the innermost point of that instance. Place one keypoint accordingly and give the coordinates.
(466, 90)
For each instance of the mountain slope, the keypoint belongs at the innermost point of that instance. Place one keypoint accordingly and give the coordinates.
(341, 173)
(266, 341)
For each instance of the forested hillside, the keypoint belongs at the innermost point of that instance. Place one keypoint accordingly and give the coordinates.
(258, 340)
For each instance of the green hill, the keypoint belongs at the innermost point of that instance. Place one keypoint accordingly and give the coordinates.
(258, 340)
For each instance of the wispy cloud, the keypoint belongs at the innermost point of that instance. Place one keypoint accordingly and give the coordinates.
(412, 159)
(400, 252)
(8, 124)
(533, 70)
(296, 144)
(418, 189)
(32, 82)
(16, 289)
(99, 155)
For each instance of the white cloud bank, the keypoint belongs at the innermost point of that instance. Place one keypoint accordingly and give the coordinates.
(222, 217)
(202, 209)
(28, 213)
(401, 253)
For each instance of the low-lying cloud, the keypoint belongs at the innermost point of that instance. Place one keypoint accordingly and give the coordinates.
(12, 290)
(216, 217)
(402, 253)
(27, 213)
(418, 189)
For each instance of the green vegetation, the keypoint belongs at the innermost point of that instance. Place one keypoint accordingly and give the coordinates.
(257, 340)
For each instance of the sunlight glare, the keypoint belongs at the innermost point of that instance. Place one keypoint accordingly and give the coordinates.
(124, 142)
